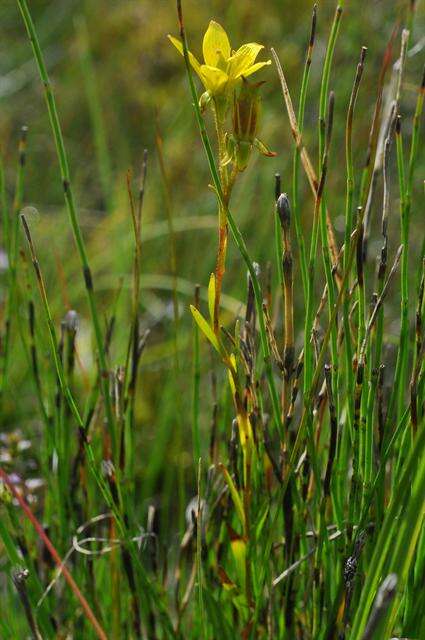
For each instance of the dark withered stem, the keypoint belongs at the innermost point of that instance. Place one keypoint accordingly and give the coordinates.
(333, 430)
(271, 338)
(250, 302)
(375, 126)
(19, 577)
(359, 257)
(350, 572)
(312, 34)
(277, 186)
(418, 354)
(213, 448)
(271, 454)
(295, 388)
(284, 211)
(110, 474)
(70, 324)
(142, 187)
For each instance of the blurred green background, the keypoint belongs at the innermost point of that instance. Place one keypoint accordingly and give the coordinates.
(119, 84)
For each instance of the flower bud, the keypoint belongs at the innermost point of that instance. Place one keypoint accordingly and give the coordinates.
(246, 111)
(239, 144)
(284, 210)
(204, 101)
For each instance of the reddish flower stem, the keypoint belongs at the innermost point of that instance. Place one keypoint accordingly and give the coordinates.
(56, 557)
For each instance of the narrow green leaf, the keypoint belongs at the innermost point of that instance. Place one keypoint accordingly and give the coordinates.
(205, 327)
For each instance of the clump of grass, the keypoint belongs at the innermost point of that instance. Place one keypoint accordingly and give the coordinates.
(305, 508)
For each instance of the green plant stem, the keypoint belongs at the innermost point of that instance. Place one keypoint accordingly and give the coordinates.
(11, 232)
(73, 217)
(237, 236)
(196, 439)
(296, 160)
(387, 534)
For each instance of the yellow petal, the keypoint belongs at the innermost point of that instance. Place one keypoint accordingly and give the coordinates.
(193, 61)
(255, 67)
(214, 79)
(215, 42)
(244, 58)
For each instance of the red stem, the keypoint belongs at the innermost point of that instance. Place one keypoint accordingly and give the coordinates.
(56, 557)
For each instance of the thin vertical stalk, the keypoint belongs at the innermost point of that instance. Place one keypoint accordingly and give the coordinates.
(324, 143)
(284, 211)
(396, 397)
(350, 185)
(11, 231)
(296, 159)
(72, 212)
(196, 440)
(237, 236)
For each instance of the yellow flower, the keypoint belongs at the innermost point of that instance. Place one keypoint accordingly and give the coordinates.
(223, 67)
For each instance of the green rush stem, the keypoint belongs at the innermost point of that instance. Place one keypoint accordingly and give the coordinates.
(73, 217)
(308, 347)
(289, 341)
(405, 220)
(349, 212)
(388, 532)
(237, 236)
(296, 159)
(403, 554)
(343, 444)
(12, 248)
(308, 400)
(320, 217)
(199, 554)
(324, 88)
(396, 398)
(361, 308)
(196, 440)
(323, 150)
(173, 268)
(31, 356)
(412, 163)
(4, 208)
(371, 379)
(127, 448)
